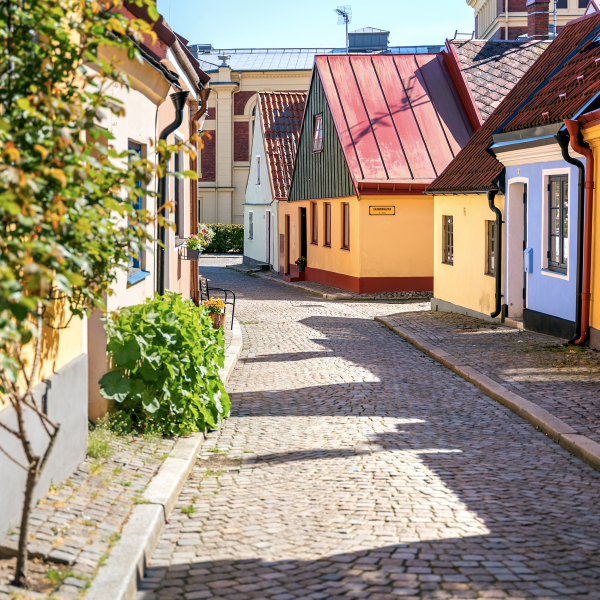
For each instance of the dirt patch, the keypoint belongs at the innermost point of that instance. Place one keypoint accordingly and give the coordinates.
(39, 581)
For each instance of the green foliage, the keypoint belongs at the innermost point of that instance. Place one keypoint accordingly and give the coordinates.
(64, 192)
(166, 357)
(228, 238)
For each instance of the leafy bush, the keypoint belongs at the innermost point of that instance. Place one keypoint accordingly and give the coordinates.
(166, 357)
(228, 238)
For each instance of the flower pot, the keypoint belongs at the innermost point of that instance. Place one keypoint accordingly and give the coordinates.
(188, 254)
(218, 320)
(301, 268)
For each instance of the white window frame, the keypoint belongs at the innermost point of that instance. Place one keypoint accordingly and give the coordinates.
(250, 224)
(546, 173)
(258, 170)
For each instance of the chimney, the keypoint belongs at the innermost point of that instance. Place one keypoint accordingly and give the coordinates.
(538, 19)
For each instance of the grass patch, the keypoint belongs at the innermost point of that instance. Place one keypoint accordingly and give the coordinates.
(209, 473)
(57, 576)
(95, 467)
(188, 510)
(100, 438)
(88, 522)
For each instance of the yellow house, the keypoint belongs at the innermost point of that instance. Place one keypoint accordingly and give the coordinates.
(376, 131)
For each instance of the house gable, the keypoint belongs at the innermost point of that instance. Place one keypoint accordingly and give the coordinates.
(319, 174)
(263, 193)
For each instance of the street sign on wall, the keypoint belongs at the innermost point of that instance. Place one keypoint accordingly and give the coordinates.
(382, 210)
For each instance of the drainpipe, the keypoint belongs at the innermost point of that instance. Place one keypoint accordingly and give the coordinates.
(563, 142)
(573, 127)
(179, 99)
(491, 195)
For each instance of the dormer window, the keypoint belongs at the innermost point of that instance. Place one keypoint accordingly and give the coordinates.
(318, 134)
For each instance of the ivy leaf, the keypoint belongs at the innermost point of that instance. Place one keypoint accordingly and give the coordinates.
(115, 387)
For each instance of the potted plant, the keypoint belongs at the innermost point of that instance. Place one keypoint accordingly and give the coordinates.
(301, 263)
(196, 243)
(216, 310)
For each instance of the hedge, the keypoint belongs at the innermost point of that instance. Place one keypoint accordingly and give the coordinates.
(228, 238)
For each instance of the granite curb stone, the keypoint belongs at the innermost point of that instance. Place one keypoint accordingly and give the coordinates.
(118, 578)
(579, 445)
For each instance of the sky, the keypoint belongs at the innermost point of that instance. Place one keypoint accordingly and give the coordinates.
(312, 23)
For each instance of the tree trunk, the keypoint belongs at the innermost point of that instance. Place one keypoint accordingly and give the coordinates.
(32, 479)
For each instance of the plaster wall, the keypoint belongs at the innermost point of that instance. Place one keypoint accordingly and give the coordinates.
(465, 282)
(592, 136)
(548, 292)
(259, 201)
(399, 245)
(66, 402)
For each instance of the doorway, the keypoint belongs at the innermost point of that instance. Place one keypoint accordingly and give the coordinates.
(286, 257)
(516, 242)
(268, 237)
(303, 233)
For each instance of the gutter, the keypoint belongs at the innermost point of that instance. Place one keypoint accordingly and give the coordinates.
(498, 275)
(179, 100)
(563, 142)
(573, 128)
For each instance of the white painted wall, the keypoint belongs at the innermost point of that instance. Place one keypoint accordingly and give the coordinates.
(259, 200)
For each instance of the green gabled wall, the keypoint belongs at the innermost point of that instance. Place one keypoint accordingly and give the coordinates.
(322, 174)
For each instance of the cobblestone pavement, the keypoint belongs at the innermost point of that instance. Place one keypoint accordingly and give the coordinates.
(562, 379)
(353, 466)
(80, 519)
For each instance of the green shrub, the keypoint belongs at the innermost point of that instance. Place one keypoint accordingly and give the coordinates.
(100, 438)
(166, 357)
(228, 238)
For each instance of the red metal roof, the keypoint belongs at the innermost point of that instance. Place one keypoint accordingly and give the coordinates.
(399, 118)
(281, 119)
(475, 169)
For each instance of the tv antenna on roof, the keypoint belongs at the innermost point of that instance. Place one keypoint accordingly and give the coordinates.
(344, 14)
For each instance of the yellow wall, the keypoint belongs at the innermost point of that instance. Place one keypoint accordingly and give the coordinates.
(592, 137)
(400, 245)
(465, 283)
(332, 259)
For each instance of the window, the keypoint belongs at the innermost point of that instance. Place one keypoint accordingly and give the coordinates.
(563, 3)
(490, 247)
(178, 199)
(558, 222)
(345, 226)
(315, 223)
(327, 223)
(583, 3)
(135, 149)
(448, 242)
(250, 225)
(318, 134)
(258, 170)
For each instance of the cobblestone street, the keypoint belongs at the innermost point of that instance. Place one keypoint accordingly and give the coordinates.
(354, 466)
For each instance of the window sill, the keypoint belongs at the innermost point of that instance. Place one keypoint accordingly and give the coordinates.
(136, 277)
(490, 275)
(450, 264)
(326, 245)
(347, 248)
(179, 242)
(317, 151)
(314, 243)
(554, 272)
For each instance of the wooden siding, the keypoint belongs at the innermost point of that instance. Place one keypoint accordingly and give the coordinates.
(319, 174)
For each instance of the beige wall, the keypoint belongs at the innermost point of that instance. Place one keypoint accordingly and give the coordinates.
(465, 282)
(231, 176)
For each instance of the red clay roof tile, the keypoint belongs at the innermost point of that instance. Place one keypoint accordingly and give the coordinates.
(281, 115)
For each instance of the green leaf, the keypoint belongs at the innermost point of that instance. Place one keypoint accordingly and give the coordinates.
(190, 174)
(153, 12)
(23, 104)
(114, 387)
(151, 405)
(124, 354)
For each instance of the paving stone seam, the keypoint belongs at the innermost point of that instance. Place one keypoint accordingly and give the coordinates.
(577, 444)
(118, 578)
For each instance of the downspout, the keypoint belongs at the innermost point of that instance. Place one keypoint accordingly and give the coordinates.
(505, 19)
(573, 127)
(563, 142)
(491, 194)
(179, 100)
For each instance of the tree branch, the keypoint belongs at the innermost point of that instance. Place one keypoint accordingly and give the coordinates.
(13, 459)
